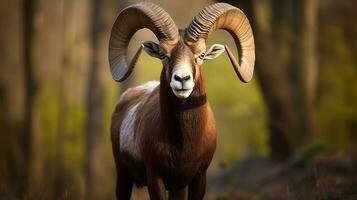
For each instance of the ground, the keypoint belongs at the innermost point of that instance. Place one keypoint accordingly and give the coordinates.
(313, 173)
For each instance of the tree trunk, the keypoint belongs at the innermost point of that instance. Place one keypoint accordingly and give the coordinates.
(275, 86)
(309, 60)
(14, 146)
(288, 82)
(94, 102)
(303, 66)
(30, 86)
(47, 29)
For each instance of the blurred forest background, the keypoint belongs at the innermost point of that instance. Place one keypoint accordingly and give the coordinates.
(291, 127)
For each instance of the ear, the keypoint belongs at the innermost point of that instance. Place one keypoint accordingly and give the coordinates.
(152, 49)
(213, 52)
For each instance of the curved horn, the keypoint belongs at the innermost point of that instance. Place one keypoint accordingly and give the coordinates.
(233, 20)
(130, 20)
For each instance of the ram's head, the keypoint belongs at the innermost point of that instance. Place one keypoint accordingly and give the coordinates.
(182, 52)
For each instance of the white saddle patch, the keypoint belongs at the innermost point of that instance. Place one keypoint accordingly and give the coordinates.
(127, 139)
(148, 86)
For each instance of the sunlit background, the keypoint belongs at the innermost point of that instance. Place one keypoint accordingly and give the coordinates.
(300, 110)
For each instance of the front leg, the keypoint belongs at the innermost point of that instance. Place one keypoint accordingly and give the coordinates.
(179, 194)
(124, 184)
(197, 187)
(156, 186)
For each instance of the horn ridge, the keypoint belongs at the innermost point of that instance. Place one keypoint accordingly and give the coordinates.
(130, 20)
(229, 18)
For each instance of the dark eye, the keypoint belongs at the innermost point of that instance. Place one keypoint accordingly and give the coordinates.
(167, 57)
(201, 56)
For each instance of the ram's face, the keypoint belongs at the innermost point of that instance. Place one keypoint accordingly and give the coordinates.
(181, 70)
(182, 63)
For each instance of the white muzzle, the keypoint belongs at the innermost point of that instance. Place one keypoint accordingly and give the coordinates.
(182, 83)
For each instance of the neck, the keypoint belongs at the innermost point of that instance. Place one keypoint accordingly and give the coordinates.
(182, 119)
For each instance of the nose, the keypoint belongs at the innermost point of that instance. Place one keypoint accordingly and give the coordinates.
(182, 78)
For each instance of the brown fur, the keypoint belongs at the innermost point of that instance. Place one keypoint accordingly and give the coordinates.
(176, 137)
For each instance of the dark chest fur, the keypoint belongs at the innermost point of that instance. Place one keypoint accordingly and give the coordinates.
(186, 142)
(183, 150)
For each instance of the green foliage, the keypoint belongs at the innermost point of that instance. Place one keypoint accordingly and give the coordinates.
(239, 111)
(337, 102)
(61, 139)
(48, 107)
